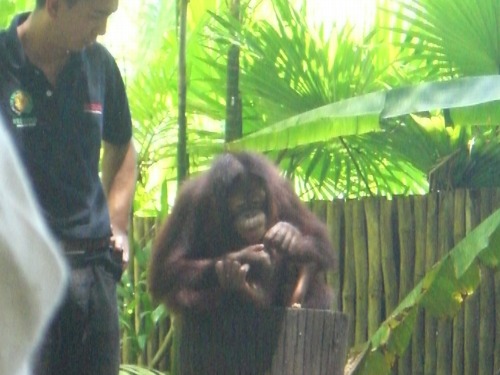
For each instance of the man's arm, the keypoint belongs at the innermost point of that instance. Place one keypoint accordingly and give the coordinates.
(119, 175)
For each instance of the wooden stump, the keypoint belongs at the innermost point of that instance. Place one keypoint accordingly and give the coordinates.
(263, 342)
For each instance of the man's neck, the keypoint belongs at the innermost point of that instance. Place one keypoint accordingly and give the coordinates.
(37, 40)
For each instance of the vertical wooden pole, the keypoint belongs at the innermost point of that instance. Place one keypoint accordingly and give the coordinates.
(486, 302)
(391, 284)
(430, 259)
(233, 99)
(182, 157)
(418, 338)
(471, 322)
(335, 224)
(361, 264)
(406, 230)
(445, 241)
(375, 282)
(349, 282)
(496, 204)
(457, 367)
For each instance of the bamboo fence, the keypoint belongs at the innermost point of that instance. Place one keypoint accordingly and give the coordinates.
(385, 246)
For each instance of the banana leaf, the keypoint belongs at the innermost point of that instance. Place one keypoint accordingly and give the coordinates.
(470, 101)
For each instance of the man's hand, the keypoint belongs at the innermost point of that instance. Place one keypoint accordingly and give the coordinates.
(120, 245)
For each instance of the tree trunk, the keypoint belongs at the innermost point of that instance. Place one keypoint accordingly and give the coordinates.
(256, 342)
(233, 99)
(182, 159)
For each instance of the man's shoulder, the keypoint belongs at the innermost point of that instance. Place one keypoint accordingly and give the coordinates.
(99, 54)
(99, 60)
(8, 33)
(9, 41)
(5, 51)
(4, 35)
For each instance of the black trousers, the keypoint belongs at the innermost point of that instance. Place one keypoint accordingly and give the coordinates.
(84, 337)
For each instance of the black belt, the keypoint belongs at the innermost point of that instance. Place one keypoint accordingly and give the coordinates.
(82, 246)
(80, 253)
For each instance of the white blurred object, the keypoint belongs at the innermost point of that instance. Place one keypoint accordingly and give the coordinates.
(32, 272)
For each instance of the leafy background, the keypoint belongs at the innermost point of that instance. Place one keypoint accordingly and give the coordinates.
(336, 108)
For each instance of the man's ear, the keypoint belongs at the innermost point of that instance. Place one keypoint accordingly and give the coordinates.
(52, 7)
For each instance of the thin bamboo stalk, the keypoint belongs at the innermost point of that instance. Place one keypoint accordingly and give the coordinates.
(126, 349)
(497, 322)
(361, 264)
(142, 232)
(387, 250)
(496, 204)
(445, 241)
(134, 278)
(471, 314)
(418, 338)
(375, 281)
(457, 367)
(334, 221)
(319, 209)
(389, 269)
(406, 226)
(349, 284)
(430, 259)
(322, 210)
(487, 302)
(163, 327)
(152, 343)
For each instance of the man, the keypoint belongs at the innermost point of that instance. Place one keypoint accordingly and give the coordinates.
(63, 94)
(32, 273)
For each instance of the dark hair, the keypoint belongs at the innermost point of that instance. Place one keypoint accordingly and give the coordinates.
(41, 3)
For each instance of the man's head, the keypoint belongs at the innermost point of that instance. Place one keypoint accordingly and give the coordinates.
(76, 24)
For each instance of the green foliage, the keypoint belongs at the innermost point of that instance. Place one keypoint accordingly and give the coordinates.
(309, 102)
(455, 36)
(467, 99)
(8, 8)
(310, 83)
(320, 105)
(139, 316)
(153, 100)
(291, 73)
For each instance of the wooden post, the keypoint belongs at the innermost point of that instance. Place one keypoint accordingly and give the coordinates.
(263, 342)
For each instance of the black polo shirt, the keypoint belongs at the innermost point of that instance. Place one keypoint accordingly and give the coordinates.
(59, 130)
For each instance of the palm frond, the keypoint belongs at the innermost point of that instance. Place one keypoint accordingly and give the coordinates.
(463, 33)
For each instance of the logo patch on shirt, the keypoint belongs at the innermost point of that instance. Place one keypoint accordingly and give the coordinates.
(95, 108)
(21, 103)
